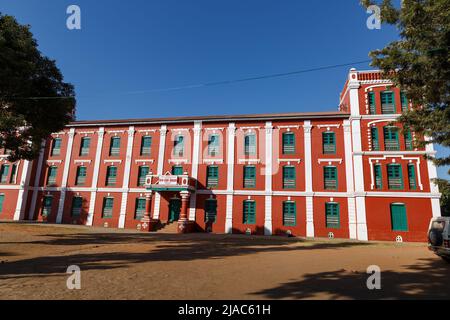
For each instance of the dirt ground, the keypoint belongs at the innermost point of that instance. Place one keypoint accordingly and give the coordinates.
(118, 264)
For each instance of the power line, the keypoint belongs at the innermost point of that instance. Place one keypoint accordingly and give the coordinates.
(217, 83)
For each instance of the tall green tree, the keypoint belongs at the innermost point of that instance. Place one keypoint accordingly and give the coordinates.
(419, 63)
(34, 99)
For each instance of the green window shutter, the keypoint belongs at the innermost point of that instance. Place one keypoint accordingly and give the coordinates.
(77, 204)
(412, 177)
(177, 170)
(249, 212)
(213, 145)
(289, 214)
(250, 144)
(387, 102)
(329, 143)
(2, 200)
(210, 210)
(372, 104)
(395, 179)
(408, 140)
(330, 178)
(249, 177)
(111, 176)
(288, 177)
(81, 176)
(140, 208)
(375, 140)
(212, 179)
(143, 172)
(85, 145)
(404, 100)
(391, 139)
(12, 179)
(114, 149)
(52, 174)
(56, 147)
(47, 206)
(146, 145)
(4, 171)
(178, 146)
(398, 217)
(288, 143)
(378, 176)
(108, 204)
(332, 215)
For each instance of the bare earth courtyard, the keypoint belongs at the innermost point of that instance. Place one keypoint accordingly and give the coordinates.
(118, 264)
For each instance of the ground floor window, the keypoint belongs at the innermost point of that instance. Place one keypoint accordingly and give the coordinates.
(289, 214)
(2, 200)
(47, 206)
(77, 204)
(211, 210)
(399, 219)
(108, 204)
(332, 215)
(140, 208)
(249, 212)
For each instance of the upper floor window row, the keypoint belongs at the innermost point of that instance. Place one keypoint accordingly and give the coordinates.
(387, 101)
(391, 139)
(8, 173)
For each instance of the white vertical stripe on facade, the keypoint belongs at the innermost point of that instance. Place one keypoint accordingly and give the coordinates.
(195, 162)
(65, 177)
(37, 179)
(307, 127)
(23, 191)
(230, 177)
(434, 189)
(358, 172)
(268, 178)
(349, 179)
(98, 156)
(126, 177)
(160, 168)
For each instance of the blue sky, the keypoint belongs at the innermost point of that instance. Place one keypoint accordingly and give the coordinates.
(139, 45)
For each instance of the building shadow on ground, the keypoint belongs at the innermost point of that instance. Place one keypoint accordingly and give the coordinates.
(427, 279)
(87, 250)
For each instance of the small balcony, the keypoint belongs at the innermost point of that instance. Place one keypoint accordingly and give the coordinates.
(169, 182)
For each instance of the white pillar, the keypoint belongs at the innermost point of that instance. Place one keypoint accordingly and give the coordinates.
(358, 172)
(231, 133)
(37, 179)
(268, 179)
(349, 178)
(67, 160)
(126, 178)
(195, 162)
(434, 189)
(159, 170)
(307, 127)
(23, 191)
(98, 156)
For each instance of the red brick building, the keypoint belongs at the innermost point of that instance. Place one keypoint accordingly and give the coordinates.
(344, 174)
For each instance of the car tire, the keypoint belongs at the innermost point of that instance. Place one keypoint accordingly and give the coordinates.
(435, 238)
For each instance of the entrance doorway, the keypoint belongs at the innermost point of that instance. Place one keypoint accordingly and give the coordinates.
(174, 209)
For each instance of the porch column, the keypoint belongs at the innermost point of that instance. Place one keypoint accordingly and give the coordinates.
(147, 223)
(184, 225)
(148, 207)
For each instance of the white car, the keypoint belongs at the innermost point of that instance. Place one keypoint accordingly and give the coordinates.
(439, 237)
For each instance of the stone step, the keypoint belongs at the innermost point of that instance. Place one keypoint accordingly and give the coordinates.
(171, 227)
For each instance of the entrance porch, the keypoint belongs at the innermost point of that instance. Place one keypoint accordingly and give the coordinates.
(180, 185)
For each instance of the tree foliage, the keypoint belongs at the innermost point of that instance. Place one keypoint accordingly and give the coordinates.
(419, 63)
(34, 99)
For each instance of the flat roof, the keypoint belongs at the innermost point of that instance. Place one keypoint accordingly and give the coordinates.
(217, 118)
